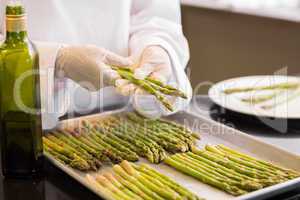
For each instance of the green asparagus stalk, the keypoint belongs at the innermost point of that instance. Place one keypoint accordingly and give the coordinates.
(281, 86)
(120, 171)
(107, 184)
(165, 140)
(145, 151)
(153, 129)
(163, 192)
(203, 178)
(237, 167)
(90, 160)
(146, 86)
(165, 90)
(103, 189)
(245, 185)
(113, 135)
(243, 162)
(291, 173)
(133, 187)
(143, 168)
(262, 98)
(76, 161)
(64, 139)
(171, 147)
(158, 151)
(168, 126)
(121, 187)
(68, 138)
(156, 84)
(60, 157)
(99, 145)
(110, 141)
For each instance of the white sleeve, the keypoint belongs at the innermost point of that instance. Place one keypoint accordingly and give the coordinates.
(54, 99)
(157, 22)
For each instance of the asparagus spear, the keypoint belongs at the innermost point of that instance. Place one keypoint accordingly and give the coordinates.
(76, 161)
(243, 162)
(291, 173)
(259, 99)
(120, 171)
(99, 145)
(133, 187)
(112, 142)
(106, 183)
(163, 138)
(286, 85)
(68, 138)
(60, 157)
(158, 152)
(167, 126)
(245, 185)
(156, 84)
(237, 167)
(121, 187)
(163, 192)
(165, 143)
(97, 149)
(144, 151)
(62, 138)
(143, 168)
(103, 189)
(202, 160)
(113, 135)
(146, 86)
(90, 160)
(165, 90)
(203, 178)
(154, 130)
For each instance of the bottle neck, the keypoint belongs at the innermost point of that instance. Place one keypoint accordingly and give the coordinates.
(16, 28)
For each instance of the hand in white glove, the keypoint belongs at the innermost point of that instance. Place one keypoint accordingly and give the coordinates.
(88, 65)
(155, 63)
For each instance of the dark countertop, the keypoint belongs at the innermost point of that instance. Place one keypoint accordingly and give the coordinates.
(56, 185)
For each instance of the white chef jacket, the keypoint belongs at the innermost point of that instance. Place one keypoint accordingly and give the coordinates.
(125, 27)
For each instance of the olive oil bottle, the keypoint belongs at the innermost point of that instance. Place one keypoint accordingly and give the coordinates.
(21, 132)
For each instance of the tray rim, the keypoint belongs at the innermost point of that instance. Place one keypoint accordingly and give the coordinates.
(259, 194)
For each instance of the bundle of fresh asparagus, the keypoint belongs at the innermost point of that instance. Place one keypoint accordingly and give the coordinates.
(130, 181)
(229, 170)
(115, 138)
(152, 86)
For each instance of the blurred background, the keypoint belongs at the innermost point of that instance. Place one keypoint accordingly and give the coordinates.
(230, 38)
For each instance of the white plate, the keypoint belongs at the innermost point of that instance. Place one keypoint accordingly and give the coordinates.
(211, 133)
(285, 108)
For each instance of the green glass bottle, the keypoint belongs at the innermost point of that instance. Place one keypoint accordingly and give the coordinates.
(21, 132)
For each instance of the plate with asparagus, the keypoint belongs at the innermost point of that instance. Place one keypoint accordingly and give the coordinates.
(266, 96)
(121, 155)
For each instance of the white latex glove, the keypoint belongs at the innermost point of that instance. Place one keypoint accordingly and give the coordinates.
(88, 65)
(155, 63)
